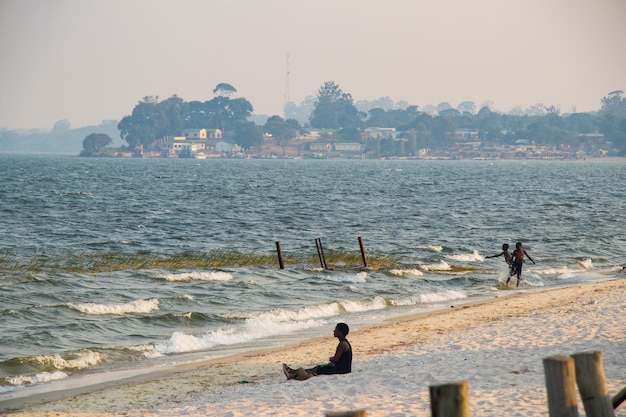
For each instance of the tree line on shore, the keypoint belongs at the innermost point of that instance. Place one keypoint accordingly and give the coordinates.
(335, 111)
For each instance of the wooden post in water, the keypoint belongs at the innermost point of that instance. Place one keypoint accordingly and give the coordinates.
(280, 255)
(561, 386)
(450, 400)
(363, 252)
(592, 384)
(320, 253)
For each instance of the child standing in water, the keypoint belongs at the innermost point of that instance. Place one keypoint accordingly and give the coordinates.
(507, 257)
(518, 261)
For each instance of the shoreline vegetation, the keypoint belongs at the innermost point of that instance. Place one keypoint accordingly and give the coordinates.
(497, 345)
(21, 267)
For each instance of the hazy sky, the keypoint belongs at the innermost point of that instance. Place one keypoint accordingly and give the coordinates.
(89, 60)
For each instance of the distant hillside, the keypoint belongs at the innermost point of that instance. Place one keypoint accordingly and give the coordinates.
(57, 140)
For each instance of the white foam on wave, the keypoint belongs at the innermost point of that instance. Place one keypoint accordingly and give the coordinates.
(436, 248)
(148, 351)
(586, 264)
(559, 270)
(359, 277)
(467, 257)
(441, 266)
(186, 297)
(428, 298)
(404, 272)
(138, 306)
(197, 276)
(273, 323)
(323, 310)
(80, 360)
(35, 379)
(253, 329)
(438, 297)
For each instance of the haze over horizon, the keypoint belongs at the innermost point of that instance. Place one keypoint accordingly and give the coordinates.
(88, 61)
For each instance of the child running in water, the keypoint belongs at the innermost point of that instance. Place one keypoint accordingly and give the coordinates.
(518, 261)
(508, 258)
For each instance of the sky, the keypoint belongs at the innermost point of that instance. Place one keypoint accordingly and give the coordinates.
(91, 60)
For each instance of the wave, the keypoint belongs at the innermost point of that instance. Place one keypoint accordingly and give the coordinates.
(272, 323)
(441, 266)
(80, 360)
(253, 329)
(195, 276)
(436, 248)
(35, 379)
(75, 193)
(467, 257)
(54, 366)
(438, 297)
(557, 270)
(186, 297)
(360, 277)
(586, 264)
(404, 272)
(138, 306)
(282, 321)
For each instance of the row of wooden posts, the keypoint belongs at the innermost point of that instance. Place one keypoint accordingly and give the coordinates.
(562, 374)
(320, 253)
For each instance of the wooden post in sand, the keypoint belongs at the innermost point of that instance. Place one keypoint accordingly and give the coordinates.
(561, 386)
(279, 250)
(592, 384)
(351, 413)
(619, 398)
(450, 400)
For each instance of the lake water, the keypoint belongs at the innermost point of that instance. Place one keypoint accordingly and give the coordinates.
(439, 219)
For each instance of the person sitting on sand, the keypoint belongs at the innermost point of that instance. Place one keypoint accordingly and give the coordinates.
(518, 261)
(508, 258)
(340, 363)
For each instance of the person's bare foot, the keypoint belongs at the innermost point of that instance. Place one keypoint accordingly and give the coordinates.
(289, 373)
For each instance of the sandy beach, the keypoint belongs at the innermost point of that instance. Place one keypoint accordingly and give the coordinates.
(496, 345)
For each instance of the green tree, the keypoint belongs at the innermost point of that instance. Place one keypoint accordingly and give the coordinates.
(442, 129)
(334, 109)
(147, 123)
(247, 134)
(350, 134)
(614, 104)
(282, 131)
(620, 141)
(378, 118)
(174, 110)
(411, 138)
(197, 116)
(93, 143)
(224, 90)
(224, 112)
(62, 126)
(467, 107)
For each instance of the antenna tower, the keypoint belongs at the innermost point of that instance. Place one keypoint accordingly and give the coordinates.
(287, 99)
